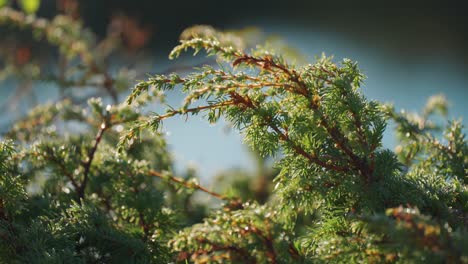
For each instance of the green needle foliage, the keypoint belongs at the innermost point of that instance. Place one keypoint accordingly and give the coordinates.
(333, 168)
(95, 185)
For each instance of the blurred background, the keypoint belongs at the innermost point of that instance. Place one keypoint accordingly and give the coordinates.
(407, 53)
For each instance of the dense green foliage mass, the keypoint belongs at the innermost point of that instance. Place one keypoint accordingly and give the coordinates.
(95, 184)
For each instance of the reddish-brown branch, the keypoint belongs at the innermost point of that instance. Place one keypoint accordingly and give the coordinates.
(238, 99)
(310, 157)
(341, 143)
(246, 101)
(340, 140)
(356, 120)
(247, 86)
(195, 109)
(188, 185)
(267, 63)
(360, 132)
(89, 161)
(242, 253)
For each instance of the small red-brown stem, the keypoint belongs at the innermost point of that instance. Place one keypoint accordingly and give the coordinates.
(302, 152)
(359, 128)
(89, 161)
(339, 139)
(244, 254)
(246, 101)
(195, 109)
(267, 64)
(188, 185)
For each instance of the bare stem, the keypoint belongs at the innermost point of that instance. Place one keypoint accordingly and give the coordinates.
(188, 185)
(89, 161)
(195, 109)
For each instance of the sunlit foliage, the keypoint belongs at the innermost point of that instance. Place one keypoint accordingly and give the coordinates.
(94, 184)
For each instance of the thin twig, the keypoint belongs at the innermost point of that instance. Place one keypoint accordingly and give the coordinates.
(268, 121)
(188, 185)
(195, 109)
(89, 161)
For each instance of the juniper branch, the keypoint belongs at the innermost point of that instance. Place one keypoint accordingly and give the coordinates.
(87, 164)
(189, 185)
